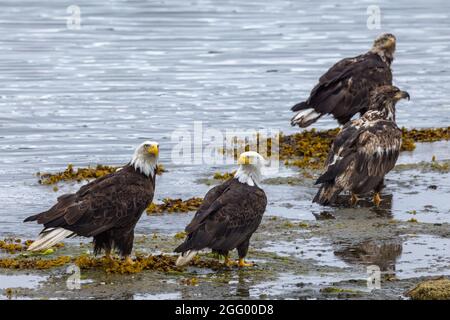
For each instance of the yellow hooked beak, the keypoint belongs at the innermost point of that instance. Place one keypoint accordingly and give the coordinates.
(243, 159)
(390, 43)
(402, 95)
(153, 150)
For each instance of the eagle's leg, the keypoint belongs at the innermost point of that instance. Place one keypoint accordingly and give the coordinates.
(242, 251)
(354, 199)
(103, 241)
(108, 254)
(377, 199)
(123, 241)
(217, 254)
(376, 196)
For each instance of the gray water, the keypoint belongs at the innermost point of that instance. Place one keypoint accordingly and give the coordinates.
(141, 69)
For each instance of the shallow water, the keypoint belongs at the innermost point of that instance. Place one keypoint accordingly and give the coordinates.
(141, 69)
(20, 281)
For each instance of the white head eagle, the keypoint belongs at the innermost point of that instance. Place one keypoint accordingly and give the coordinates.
(249, 171)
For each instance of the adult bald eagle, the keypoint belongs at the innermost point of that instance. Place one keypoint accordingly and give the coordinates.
(364, 151)
(344, 89)
(229, 215)
(107, 208)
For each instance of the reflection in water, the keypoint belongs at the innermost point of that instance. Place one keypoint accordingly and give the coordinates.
(383, 253)
(343, 201)
(232, 284)
(158, 296)
(324, 215)
(243, 288)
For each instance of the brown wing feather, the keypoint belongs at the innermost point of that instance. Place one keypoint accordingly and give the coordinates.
(232, 222)
(116, 200)
(213, 200)
(378, 149)
(365, 151)
(344, 89)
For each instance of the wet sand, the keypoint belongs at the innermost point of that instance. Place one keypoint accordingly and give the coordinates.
(140, 70)
(301, 251)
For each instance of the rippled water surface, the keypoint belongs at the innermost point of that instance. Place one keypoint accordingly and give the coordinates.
(141, 69)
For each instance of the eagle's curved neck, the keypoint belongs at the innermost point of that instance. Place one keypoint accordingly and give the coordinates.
(248, 174)
(386, 111)
(385, 55)
(144, 165)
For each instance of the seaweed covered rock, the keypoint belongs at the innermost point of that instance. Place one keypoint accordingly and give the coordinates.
(82, 174)
(224, 176)
(438, 289)
(34, 263)
(175, 205)
(15, 245)
(307, 149)
(161, 263)
(11, 245)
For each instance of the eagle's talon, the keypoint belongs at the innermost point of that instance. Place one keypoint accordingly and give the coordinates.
(229, 262)
(354, 199)
(243, 264)
(376, 199)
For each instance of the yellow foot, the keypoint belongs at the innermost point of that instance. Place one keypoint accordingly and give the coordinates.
(376, 199)
(128, 260)
(242, 263)
(354, 199)
(229, 263)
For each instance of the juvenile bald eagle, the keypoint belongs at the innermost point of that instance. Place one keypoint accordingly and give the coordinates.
(229, 215)
(364, 151)
(107, 208)
(344, 89)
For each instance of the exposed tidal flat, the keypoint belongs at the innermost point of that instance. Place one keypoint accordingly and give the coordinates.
(141, 69)
(301, 250)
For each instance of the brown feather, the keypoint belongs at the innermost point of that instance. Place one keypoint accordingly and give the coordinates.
(107, 208)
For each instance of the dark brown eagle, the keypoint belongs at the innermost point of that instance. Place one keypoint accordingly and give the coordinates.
(107, 208)
(229, 215)
(364, 151)
(344, 90)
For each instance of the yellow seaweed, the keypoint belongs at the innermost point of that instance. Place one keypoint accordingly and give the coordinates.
(175, 205)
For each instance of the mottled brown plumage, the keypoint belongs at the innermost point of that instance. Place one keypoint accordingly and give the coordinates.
(365, 150)
(344, 89)
(229, 215)
(107, 208)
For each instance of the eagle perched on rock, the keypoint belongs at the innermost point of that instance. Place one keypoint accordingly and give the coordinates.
(344, 89)
(229, 215)
(364, 151)
(107, 208)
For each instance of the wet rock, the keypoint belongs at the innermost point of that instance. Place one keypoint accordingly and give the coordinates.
(438, 289)
(175, 205)
(325, 215)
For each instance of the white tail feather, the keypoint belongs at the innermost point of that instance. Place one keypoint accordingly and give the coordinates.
(305, 116)
(185, 257)
(48, 239)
